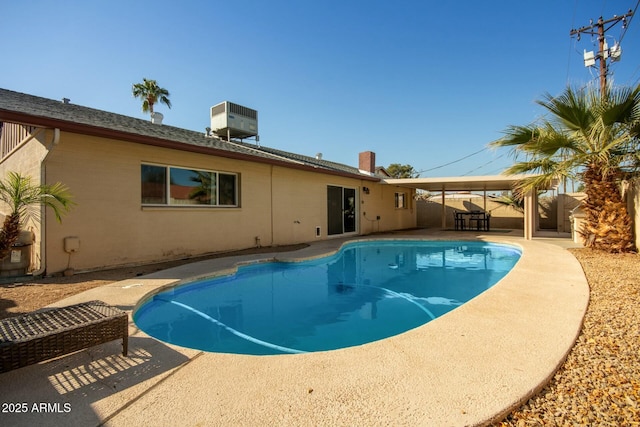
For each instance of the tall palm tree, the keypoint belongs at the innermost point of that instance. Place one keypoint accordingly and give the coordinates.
(150, 93)
(588, 135)
(24, 198)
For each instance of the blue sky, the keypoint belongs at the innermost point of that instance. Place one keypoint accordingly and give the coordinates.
(423, 83)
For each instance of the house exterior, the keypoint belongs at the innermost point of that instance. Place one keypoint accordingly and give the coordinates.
(149, 192)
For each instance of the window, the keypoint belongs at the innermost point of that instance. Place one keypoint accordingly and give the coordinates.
(191, 187)
(154, 183)
(166, 185)
(227, 189)
(400, 200)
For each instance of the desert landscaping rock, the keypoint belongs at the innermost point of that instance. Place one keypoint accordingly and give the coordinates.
(599, 383)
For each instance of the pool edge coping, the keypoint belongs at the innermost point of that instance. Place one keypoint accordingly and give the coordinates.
(232, 270)
(195, 362)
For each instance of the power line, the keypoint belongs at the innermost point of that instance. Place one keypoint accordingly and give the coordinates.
(455, 161)
(571, 42)
(485, 164)
(631, 80)
(626, 27)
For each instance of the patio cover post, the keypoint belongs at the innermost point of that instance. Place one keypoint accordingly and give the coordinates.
(444, 211)
(484, 198)
(529, 215)
(536, 212)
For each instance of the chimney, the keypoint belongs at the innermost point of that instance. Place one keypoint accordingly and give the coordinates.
(367, 162)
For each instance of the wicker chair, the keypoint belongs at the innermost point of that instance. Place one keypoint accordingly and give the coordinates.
(44, 334)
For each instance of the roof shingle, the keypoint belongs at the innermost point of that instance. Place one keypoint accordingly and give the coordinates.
(35, 109)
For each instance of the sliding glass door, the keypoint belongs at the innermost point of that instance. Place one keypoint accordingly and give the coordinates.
(341, 210)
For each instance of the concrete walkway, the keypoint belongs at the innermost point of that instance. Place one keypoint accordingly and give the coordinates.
(468, 367)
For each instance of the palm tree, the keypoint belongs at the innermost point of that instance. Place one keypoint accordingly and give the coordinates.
(592, 136)
(150, 93)
(24, 199)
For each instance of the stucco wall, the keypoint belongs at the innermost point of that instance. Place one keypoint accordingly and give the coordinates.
(279, 205)
(26, 161)
(430, 213)
(378, 212)
(300, 205)
(567, 202)
(633, 206)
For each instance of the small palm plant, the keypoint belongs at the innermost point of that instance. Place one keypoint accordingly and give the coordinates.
(150, 93)
(24, 198)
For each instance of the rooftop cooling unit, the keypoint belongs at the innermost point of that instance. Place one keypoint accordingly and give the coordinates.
(229, 120)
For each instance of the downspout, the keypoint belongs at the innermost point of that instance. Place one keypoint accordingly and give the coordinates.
(43, 217)
(271, 203)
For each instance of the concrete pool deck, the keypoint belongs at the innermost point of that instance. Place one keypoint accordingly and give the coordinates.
(469, 367)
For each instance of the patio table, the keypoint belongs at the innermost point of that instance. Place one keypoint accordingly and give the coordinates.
(465, 219)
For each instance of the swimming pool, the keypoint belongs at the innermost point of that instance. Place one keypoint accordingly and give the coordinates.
(367, 291)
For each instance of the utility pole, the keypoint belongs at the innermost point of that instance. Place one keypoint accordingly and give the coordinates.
(604, 53)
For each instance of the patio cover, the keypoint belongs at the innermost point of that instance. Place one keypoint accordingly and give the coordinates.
(460, 183)
(476, 183)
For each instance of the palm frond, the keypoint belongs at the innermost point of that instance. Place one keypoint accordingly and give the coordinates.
(534, 183)
(510, 200)
(24, 197)
(516, 136)
(622, 106)
(572, 109)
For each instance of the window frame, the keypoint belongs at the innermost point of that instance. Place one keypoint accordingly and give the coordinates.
(400, 200)
(167, 187)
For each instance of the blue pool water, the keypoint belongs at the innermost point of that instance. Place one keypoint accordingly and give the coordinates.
(366, 292)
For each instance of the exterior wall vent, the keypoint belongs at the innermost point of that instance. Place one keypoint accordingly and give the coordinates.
(229, 120)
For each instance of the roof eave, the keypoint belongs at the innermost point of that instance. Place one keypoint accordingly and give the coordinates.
(80, 128)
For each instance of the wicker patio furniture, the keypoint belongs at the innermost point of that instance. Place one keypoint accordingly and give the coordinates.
(44, 334)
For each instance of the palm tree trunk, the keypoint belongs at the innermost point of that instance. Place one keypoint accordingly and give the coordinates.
(9, 233)
(608, 224)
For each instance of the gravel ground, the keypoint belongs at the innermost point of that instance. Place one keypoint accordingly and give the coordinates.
(599, 383)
